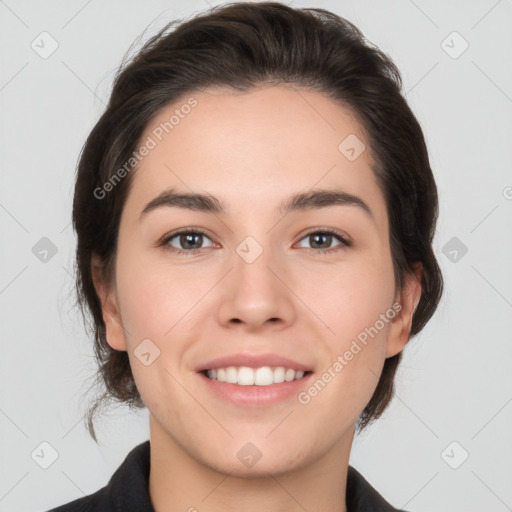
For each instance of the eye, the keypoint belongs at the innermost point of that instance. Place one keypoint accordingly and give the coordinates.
(187, 241)
(190, 241)
(321, 241)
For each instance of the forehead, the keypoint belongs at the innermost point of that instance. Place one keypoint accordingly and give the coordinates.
(264, 144)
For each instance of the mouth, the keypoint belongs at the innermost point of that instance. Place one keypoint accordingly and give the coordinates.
(261, 376)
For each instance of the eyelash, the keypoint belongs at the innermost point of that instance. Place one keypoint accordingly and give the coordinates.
(344, 242)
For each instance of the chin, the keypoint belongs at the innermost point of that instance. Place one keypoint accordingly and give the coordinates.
(276, 464)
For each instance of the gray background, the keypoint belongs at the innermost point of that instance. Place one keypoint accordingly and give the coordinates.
(455, 382)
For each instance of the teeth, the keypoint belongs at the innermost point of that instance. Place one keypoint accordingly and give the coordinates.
(245, 376)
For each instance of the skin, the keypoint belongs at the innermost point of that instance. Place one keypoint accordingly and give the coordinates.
(252, 151)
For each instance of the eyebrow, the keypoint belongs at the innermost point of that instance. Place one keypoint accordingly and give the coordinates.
(311, 199)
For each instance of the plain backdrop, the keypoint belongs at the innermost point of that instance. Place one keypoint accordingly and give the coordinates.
(444, 444)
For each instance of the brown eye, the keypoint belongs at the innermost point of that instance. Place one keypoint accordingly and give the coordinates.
(322, 241)
(186, 241)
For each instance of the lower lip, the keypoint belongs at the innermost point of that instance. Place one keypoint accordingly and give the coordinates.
(256, 396)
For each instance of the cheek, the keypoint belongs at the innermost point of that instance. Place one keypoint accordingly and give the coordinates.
(360, 313)
(350, 298)
(355, 305)
(155, 296)
(160, 303)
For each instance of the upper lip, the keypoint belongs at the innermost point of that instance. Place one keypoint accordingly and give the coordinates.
(253, 361)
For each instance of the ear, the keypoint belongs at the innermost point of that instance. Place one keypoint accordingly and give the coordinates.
(408, 297)
(109, 306)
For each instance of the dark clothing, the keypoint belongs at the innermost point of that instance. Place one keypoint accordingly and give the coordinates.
(127, 490)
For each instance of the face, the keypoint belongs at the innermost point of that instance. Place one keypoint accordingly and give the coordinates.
(259, 281)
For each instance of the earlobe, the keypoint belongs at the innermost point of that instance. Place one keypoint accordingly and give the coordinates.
(409, 297)
(109, 306)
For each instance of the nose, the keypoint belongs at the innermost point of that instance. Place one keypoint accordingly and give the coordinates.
(257, 295)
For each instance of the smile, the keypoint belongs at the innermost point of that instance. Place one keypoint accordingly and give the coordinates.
(262, 376)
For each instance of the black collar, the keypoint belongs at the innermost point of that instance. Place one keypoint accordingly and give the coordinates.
(127, 490)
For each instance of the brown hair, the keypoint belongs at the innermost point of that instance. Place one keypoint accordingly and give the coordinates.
(242, 46)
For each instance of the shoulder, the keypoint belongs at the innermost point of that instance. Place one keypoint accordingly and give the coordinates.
(361, 496)
(97, 502)
(126, 491)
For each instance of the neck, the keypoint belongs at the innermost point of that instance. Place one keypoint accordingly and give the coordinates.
(179, 482)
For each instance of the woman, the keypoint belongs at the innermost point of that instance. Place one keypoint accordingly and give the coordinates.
(255, 213)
